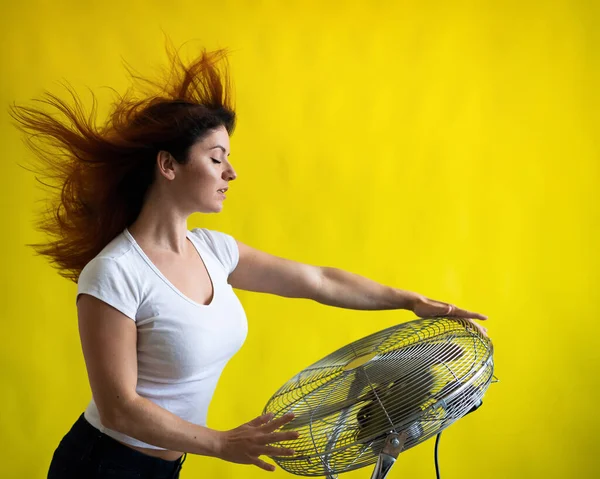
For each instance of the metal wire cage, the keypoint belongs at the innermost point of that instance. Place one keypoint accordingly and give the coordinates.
(413, 379)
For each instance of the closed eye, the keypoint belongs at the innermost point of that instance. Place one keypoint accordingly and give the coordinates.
(215, 161)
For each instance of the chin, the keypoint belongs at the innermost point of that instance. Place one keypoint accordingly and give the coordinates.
(215, 208)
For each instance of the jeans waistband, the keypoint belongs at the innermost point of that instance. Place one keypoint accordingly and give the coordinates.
(106, 446)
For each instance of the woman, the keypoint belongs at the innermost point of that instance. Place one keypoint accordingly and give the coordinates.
(158, 318)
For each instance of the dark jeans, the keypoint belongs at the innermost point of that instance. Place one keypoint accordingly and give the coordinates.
(87, 453)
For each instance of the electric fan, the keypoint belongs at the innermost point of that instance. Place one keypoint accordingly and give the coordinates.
(383, 394)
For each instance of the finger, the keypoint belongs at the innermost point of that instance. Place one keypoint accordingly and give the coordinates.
(463, 313)
(260, 420)
(277, 451)
(262, 464)
(443, 309)
(277, 423)
(472, 315)
(278, 437)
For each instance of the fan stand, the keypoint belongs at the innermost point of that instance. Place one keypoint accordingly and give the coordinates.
(394, 443)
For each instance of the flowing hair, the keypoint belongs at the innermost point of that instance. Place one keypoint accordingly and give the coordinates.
(99, 175)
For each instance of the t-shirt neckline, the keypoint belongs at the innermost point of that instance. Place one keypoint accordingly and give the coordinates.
(148, 261)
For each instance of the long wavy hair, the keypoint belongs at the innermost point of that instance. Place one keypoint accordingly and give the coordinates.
(99, 175)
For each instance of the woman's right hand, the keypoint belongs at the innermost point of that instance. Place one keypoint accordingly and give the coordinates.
(244, 444)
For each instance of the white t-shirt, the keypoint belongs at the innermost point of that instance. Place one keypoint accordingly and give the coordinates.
(182, 346)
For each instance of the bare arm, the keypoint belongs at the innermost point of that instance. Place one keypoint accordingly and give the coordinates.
(349, 290)
(108, 340)
(262, 272)
(265, 273)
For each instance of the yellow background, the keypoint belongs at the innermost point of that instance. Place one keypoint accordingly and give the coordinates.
(447, 147)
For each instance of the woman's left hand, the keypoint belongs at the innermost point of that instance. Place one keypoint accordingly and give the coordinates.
(429, 308)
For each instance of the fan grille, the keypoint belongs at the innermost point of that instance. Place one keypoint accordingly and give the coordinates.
(418, 377)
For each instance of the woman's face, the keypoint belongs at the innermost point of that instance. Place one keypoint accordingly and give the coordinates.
(204, 180)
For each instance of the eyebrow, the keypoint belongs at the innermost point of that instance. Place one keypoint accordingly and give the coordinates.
(222, 148)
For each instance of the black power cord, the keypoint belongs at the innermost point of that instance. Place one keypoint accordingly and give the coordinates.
(435, 456)
(437, 440)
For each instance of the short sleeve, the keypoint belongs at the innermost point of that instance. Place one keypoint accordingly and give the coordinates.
(224, 246)
(105, 279)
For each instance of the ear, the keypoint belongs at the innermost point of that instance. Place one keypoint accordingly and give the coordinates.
(166, 164)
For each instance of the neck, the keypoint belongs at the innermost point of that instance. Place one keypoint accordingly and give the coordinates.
(160, 226)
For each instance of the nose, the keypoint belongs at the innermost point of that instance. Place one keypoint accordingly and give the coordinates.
(229, 173)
